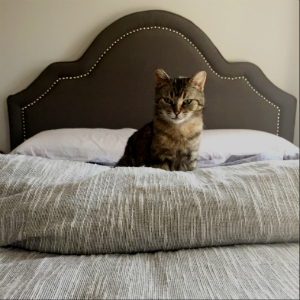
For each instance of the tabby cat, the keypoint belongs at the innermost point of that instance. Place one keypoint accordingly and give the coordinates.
(171, 141)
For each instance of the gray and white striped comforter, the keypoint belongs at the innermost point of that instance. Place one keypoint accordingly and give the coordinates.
(122, 221)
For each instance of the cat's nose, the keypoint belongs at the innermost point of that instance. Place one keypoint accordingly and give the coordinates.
(176, 113)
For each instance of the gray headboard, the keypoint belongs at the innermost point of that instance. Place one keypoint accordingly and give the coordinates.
(112, 84)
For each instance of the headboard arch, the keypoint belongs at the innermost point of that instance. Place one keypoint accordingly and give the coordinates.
(112, 84)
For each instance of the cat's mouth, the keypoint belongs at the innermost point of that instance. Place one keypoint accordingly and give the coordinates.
(173, 119)
(176, 119)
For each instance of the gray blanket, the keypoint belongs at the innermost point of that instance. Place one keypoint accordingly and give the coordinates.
(77, 208)
(68, 208)
(230, 272)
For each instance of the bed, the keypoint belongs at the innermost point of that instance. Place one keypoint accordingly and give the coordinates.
(73, 227)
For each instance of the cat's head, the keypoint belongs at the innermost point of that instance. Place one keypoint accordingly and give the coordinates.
(179, 99)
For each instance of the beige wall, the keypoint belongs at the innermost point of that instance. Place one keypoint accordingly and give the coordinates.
(35, 33)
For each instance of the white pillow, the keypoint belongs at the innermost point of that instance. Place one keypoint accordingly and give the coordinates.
(222, 143)
(80, 144)
(86, 144)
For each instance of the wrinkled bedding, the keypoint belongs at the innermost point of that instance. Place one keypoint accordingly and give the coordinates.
(73, 208)
(232, 160)
(269, 271)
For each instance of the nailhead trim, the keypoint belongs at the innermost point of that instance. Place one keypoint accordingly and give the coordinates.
(127, 34)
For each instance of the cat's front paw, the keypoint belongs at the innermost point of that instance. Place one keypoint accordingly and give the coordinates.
(164, 166)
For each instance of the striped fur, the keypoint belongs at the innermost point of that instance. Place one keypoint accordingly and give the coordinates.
(171, 141)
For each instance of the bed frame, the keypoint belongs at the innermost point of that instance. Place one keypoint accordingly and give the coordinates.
(112, 84)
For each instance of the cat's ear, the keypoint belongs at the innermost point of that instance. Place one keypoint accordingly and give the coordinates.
(198, 80)
(161, 77)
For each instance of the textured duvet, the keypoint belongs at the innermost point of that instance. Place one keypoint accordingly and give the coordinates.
(126, 220)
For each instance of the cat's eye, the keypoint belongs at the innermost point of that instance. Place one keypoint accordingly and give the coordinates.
(168, 100)
(187, 101)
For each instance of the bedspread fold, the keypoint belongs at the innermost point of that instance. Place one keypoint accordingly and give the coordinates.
(77, 208)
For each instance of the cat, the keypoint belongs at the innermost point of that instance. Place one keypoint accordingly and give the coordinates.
(171, 141)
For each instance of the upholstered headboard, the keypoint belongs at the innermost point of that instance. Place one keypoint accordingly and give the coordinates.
(112, 84)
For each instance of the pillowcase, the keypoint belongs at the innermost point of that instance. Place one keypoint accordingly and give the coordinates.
(85, 144)
(222, 143)
(80, 144)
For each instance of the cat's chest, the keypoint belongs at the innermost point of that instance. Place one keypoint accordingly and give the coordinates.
(178, 142)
